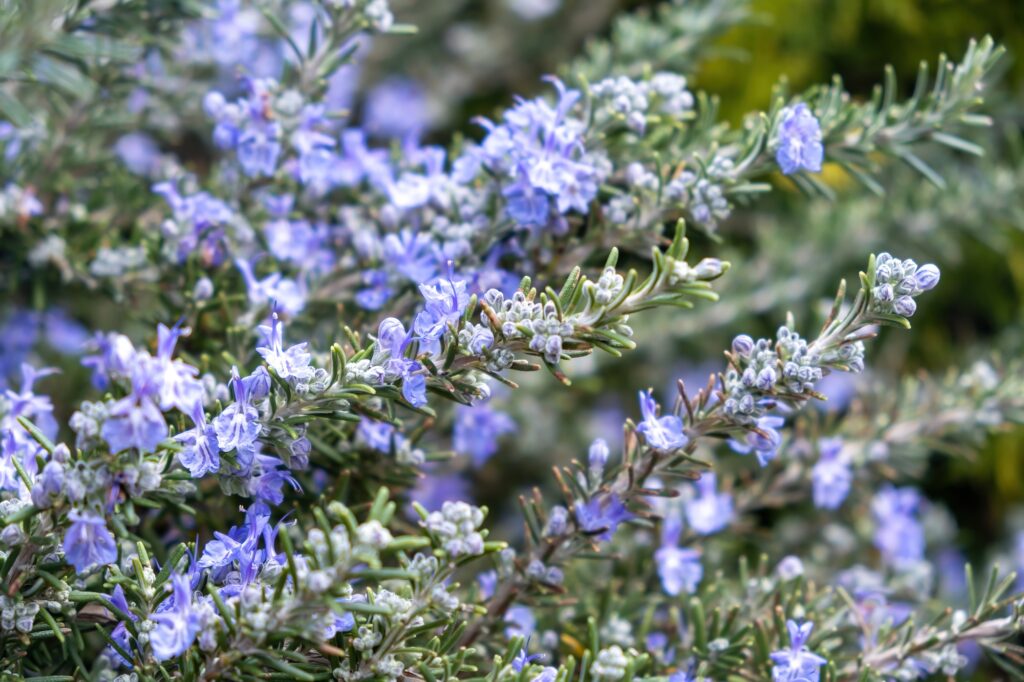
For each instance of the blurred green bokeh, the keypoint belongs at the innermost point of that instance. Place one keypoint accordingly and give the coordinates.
(809, 40)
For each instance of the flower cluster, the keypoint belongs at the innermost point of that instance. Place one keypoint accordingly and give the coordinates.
(898, 283)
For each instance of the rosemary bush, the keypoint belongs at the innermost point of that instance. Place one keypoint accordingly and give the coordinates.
(267, 336)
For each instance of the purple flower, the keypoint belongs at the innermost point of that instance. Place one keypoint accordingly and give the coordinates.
(488, 583)
(526, 204)
(799, 146)
(578, 188)
(397, 107)
(764, 441)
(287, 294)
(135, 421)
(240, 544)
(343, 622)
(709, 511)
(179, 387)
(120, 632)
(412, 255)
(392, 341)
(204, 214)
(26, 403)
(831, 476)
(539, 150)
(414, 386)
(293, 362)
(797, 664)
(87, 542)
(139, 153)
(317, 167)
(238, 426)
(899, 535)
(48, 485)
(444, 302)
(414, 190)
(18, 335)
(359, 163)
(9, 478)
(839, 388)
(377, 291)
(661, 433)
(377, 435)
(524, 658)
(520, 622)
(259, 146)
(446, 297)
(200, 454)
(299, 242)
(477, 430)
(115, 356)
(680, 569)
(601, 515)
(177, 622)
(547, 674)
(63, 333)
(269, 478)
(597, 454)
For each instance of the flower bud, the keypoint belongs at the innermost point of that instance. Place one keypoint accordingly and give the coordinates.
(742, 345)
(203, 290)
(61, 453)
(709, 268)
(927, 277)
(597, 456)
(905, 306)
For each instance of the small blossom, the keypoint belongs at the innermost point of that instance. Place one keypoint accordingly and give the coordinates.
(597, 455)
(176, 622)
(88, 543)
(601, 515)
(764, 442)
(899, 534)
(831, 476)
(178, 386)
(790, 567)
(237, 427)
(477, 430)
(200, 453)
(680, 569)
(797, 664)
(377, 435)
(292, 363)
(661, 433)
(709, 511)
(520, 621)
(136, 421)
(799, 146)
